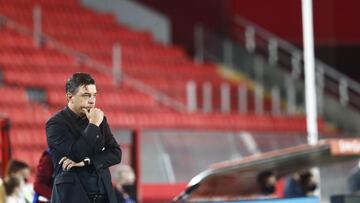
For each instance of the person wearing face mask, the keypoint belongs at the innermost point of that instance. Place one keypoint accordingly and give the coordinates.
(307, 183)
(21, 171)
(266, 181)
(124, 182)
(13, 191)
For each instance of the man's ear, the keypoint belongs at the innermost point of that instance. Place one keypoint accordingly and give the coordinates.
(68, 96)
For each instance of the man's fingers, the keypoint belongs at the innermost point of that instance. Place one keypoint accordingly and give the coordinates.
(62, 160)
(66, 164)
(86, 112)
(68, 167)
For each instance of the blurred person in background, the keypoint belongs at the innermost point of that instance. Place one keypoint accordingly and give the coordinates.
(13, 190)
(2, 191)
(301, 184)
(21, 171)
(124, 182)
(308, 183)
(266, 181)
(43, 178)
(82, 147)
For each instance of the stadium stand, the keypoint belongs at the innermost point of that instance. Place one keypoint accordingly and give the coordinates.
(25, 67)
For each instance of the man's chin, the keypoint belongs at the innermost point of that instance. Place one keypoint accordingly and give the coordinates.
(82, 115)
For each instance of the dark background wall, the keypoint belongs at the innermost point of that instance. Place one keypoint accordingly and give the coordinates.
(337, 35)
(185, 14)
(334, 20)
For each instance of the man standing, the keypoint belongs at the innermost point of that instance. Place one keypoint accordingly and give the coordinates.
(82, 147)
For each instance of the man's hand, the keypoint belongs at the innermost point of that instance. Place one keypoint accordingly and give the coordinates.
(67, 163)
(95, 116)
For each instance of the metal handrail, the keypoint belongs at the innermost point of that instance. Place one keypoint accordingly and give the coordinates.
(266, 34)
(92, 63)
(288, 47)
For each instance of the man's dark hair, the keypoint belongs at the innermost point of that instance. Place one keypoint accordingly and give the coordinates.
(15, 166)
(77, 80)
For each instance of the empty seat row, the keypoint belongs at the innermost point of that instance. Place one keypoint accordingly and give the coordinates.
(38, 115)
(138, 38)
(10, 39)
(38, 68)
(28, 115)
(49, 79)
(49, 3)
(113, 100)
(34, 57)
(211, 122)
(130, 51)
(28, 137)
(52, 15)
(13, 96)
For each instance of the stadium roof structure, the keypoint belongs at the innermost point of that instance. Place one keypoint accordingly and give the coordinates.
(236, 178)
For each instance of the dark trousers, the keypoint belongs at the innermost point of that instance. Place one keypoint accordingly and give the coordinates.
(98, 198)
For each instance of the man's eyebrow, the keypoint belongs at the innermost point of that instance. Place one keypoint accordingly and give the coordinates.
(87, 93)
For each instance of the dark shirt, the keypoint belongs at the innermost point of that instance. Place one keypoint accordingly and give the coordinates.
(73, 137)
(88, 175)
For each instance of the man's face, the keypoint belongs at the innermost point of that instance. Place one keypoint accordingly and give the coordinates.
(83, 98)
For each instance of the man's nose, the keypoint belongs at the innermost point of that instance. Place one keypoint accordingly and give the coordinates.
(91, 100)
